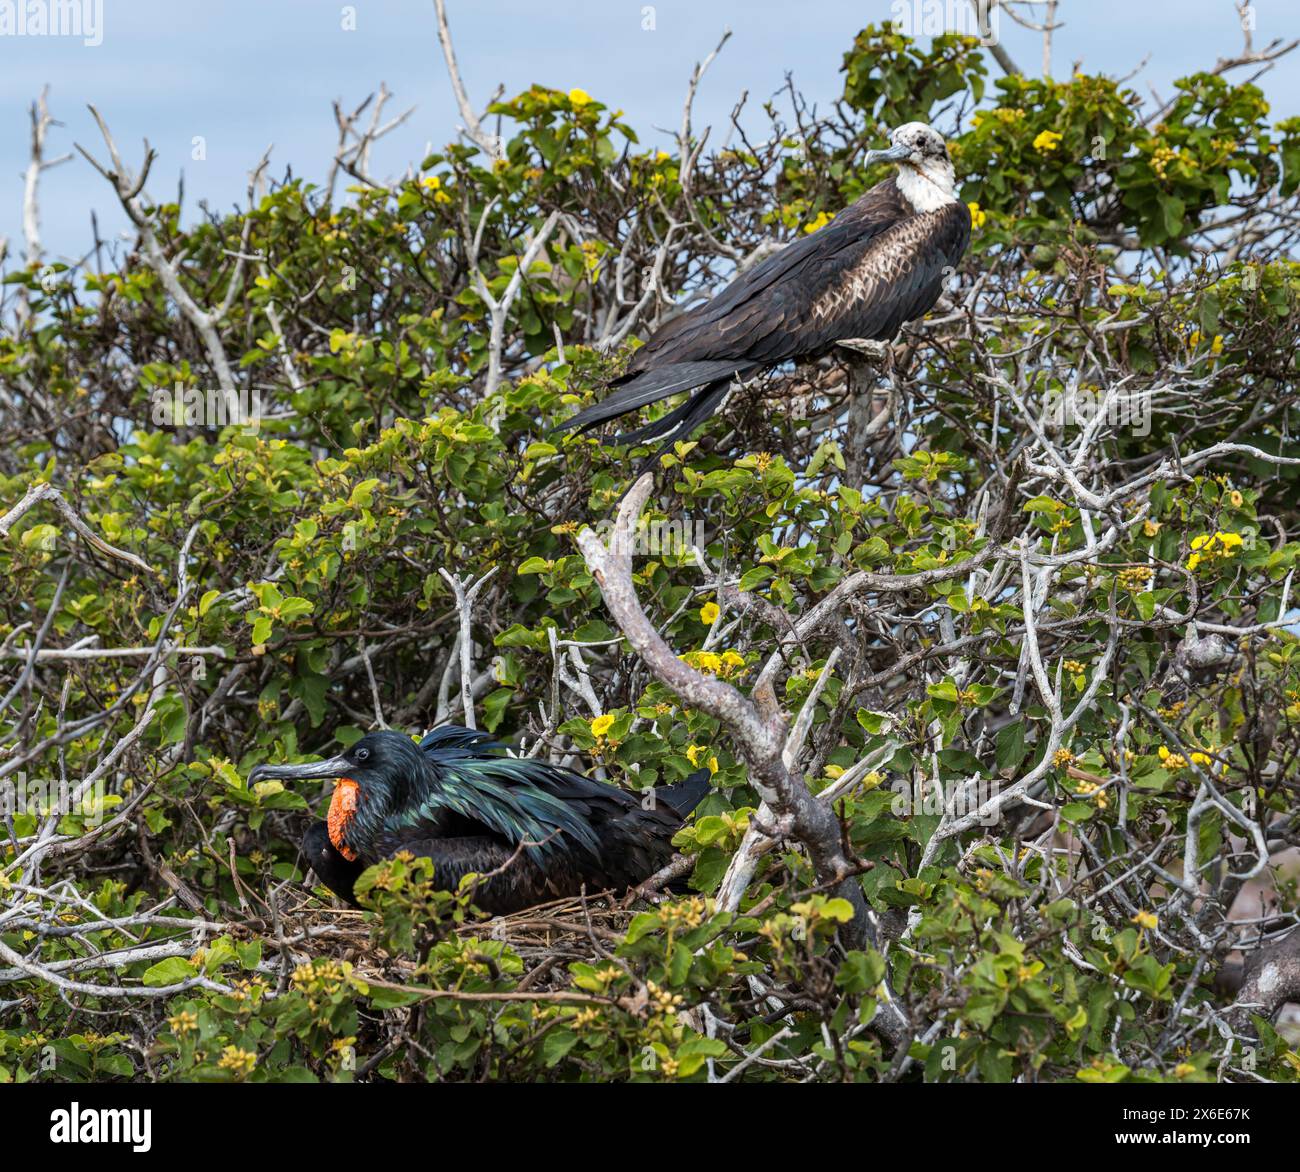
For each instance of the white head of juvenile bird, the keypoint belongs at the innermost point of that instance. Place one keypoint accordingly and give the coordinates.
(925, 175)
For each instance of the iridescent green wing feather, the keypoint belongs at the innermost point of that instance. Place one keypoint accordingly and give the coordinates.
(522, 800)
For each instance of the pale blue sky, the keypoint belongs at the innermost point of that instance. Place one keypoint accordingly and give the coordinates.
(244, 73)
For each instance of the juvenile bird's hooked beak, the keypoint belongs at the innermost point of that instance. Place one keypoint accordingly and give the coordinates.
(894, 154)
(330, 767)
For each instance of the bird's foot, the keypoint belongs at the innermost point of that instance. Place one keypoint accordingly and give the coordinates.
(865, 346)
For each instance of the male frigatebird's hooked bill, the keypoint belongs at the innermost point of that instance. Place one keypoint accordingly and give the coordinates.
(535, 831)
(880, 263)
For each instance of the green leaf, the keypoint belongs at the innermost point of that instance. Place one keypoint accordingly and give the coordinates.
(1078, 811)
(40, 537)
(171, 971)
(1173, 208)
(556, 1045)
(875, 723)
(860, 972)
(1010, 748)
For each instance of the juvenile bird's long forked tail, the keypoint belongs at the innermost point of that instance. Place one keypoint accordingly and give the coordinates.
(661, 383)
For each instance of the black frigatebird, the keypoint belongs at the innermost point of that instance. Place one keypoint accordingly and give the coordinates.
(533, 830)
(880, 263)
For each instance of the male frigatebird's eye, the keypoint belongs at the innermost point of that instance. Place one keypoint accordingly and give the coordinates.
(362, 754)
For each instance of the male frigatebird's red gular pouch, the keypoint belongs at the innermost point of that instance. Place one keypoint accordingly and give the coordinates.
(536, 831)
(880, 263)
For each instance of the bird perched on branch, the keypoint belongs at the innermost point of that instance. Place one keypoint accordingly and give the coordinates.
(880, 263)
(533, 830)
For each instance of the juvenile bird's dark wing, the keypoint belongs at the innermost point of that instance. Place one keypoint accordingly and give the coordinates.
(686, 794)
(760, 319)
(659, 383)
(758, 316)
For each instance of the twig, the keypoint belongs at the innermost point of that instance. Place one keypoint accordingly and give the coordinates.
(47, 492)
(466, 593)
(487, 143)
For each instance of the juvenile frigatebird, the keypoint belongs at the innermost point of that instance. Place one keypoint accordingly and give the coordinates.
(533, 830)
(880, 263)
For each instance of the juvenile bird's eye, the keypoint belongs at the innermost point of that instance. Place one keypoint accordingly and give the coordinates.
(362, 754)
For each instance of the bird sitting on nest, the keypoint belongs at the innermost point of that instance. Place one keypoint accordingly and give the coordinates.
(534, 831)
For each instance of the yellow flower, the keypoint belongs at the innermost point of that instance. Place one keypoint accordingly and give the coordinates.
(978, 216)
(1183, 1069)
(1216, 344)
(1171, 760)
(724, 665)
(1146, 920)
(600, 725)
(823, 218)
(695, 752)
(1207, 546)
(1235, 499)
(709, 613)
(1047, 141)
(579, 98)
(240, 1062)
(709, 661)
(1088, 789)
(432, 182)
(183, 1023)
